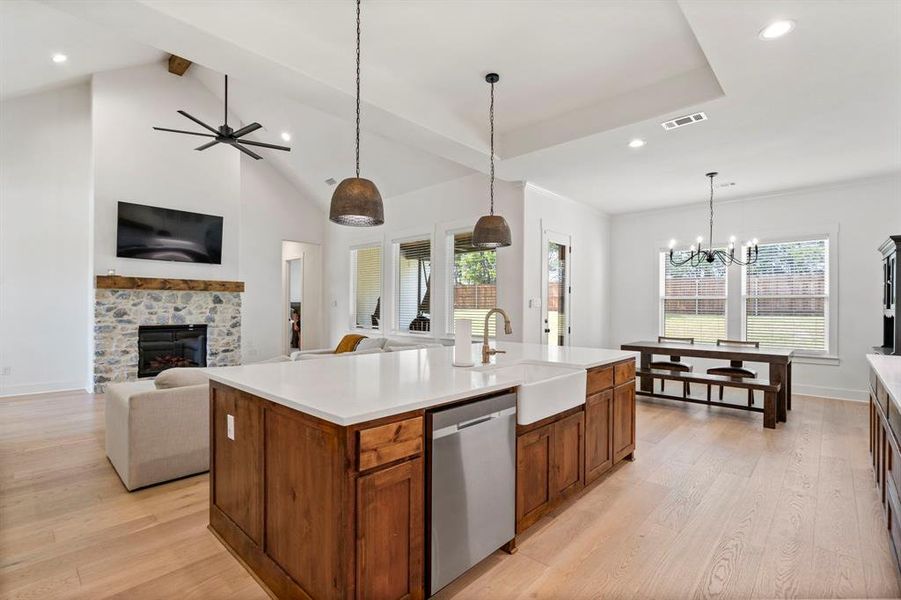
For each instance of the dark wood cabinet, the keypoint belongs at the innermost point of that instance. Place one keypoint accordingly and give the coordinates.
(569, 455)
(623, 420)
(534, 484)
(237, 488)
(886, 458)
(598, 441)
(390, 531)
(318, 510)
(558, 456)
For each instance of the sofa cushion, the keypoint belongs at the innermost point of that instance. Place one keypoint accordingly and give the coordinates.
(181, 377)
(396, 345)
(314, 356)
(370, 344)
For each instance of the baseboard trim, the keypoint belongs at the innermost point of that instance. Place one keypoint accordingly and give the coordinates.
(28, 389)
(829, 392)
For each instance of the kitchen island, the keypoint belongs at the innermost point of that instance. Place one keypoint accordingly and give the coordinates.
(319, 482)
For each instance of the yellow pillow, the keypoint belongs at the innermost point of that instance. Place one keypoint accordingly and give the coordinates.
(349, 343)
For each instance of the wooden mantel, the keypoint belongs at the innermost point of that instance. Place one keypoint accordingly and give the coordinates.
(118, 282)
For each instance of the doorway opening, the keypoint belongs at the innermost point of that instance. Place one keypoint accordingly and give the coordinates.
(295, 304)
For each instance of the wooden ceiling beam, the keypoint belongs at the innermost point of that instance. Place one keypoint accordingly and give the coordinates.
(178, 65)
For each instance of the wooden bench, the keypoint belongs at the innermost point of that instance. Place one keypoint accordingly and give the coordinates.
(770, 390)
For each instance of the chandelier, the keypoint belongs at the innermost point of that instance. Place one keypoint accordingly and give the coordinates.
(699, 255)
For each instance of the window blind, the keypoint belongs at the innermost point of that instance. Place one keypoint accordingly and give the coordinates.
(414, 270)
(693, 299)
(367, 272)
(473, 283)
(787, 295)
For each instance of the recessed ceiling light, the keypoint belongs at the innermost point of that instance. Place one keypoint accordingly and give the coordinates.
(776, 29)
(331, 181)
(636, 143)
(286, 136)
(60, 58)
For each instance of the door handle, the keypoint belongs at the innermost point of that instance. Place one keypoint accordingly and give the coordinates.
(547, 330)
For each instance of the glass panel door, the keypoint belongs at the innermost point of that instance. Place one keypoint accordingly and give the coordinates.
(557, 290)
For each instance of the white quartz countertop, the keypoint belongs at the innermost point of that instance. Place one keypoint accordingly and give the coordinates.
(888, 369)
(346, 390)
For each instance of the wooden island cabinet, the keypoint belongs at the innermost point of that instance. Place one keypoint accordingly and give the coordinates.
(314, 509)
(558, 456)
(319, 510)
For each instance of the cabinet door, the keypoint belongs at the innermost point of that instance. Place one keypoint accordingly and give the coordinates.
(237, 431)
(390, 531)
(534, 460)
(623, 420)
(569, 454)
(598, 442)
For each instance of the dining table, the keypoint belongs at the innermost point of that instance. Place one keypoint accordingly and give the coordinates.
(779, 361)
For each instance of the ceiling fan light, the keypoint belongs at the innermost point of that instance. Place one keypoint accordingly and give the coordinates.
(356, 202)
(491, 231)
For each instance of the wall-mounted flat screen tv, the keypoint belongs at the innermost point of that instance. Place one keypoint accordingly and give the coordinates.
(155, 233)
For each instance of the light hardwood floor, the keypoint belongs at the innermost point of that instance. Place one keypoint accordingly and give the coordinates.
(714, 507)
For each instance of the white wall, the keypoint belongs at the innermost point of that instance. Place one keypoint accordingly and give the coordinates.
(589, 230)
(135, 163)
(431, 211)
(45, 241)
(864, 213)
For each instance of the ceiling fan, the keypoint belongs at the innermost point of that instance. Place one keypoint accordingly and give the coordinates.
(225, 134)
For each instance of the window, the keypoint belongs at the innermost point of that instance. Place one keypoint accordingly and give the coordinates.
(693, 299)
(786, 296)
(414, 273)
(473, 283)
(366, 288)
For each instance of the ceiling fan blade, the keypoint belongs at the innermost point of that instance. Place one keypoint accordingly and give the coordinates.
(246, 130)
(208, 145)
(262, 145)
(198, 121)
(183, 131)
(253, 155)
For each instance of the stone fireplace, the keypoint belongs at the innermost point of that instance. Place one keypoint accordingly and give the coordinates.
(143, 325)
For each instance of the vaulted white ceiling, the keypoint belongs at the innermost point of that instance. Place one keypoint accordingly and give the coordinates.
(578, 81)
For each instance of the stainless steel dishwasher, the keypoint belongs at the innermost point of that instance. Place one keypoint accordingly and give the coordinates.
(473, 480)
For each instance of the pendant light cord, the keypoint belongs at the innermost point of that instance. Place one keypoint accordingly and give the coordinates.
(710, 239)
(358, 91)
(491, 121)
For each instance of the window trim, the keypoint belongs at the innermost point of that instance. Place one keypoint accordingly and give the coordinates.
(661, 286)
(735, 293)
(830, 307)
(352, 298)
(395, 271)
(449, 257)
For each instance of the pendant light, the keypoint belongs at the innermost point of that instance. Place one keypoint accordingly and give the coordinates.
(356, 201)
(491, 231)
(699, 256)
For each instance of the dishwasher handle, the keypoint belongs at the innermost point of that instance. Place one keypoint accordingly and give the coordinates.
(458, 427)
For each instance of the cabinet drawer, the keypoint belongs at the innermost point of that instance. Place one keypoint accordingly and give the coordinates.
(894, 419)
(874, 380)
(882, 396)
(624, 372)
(599, 379)
(388, 443)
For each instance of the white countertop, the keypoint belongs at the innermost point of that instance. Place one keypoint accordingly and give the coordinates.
(353, 389)
(888, 370)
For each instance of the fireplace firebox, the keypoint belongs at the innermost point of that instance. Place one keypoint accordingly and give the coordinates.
(162, 347)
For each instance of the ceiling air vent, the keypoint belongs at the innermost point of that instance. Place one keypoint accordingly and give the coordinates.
(331, 181)
(684, 120)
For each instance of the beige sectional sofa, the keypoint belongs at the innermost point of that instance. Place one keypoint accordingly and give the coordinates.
(157, 430)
